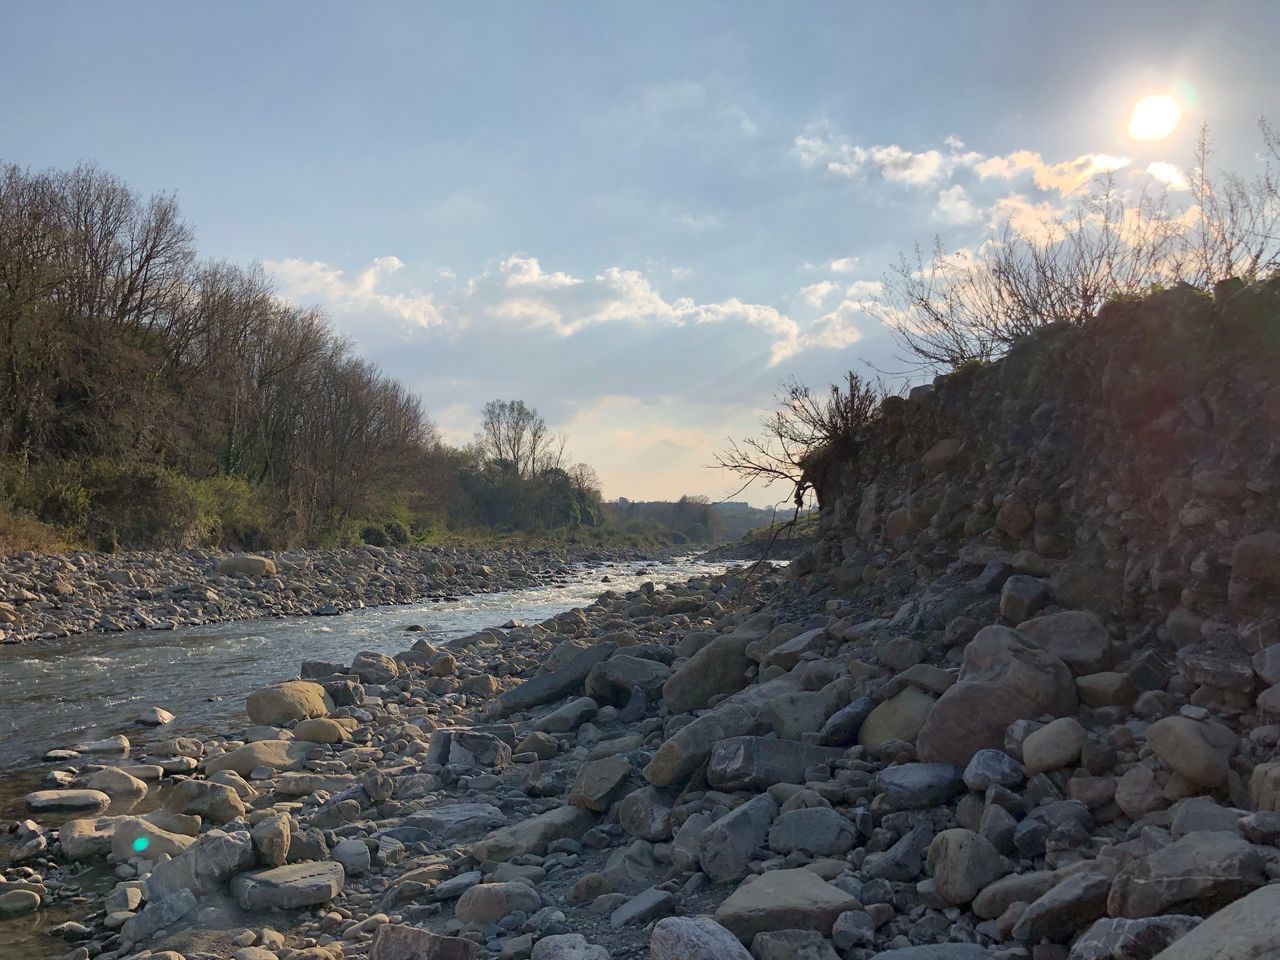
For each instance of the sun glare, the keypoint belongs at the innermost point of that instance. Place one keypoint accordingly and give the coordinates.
(1154, 117)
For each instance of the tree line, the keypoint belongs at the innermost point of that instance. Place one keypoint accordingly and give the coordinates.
(149, 397)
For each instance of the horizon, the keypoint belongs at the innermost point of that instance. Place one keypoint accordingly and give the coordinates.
(637, 224)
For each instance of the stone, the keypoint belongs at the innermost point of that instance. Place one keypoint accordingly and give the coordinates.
(789, 653)
(137, 837)
(718, 668)
(1121, 939)
(288, 702)
(645, 907)
(995, 898)
(854, 928)
(457, 822)
(1002, 679)
(815, 832)
(613, 680)
(990, 766)
(1061, 911)
(794, 714)
(535, 834)
(18, 903)
(373, 667)
(79, 800)
(937, 951)
(271, 839)
(963, 863)
(290, 887)
(279, 755)
(1021, 596)
(1197, 750)
(395, 941)
(1257, 557)
(1138, 793)
(694, 938)
(1196, 874)
(559, 683)
(567, 946)
(792, 945)
(568, 717)
(599, 782)
(904, 860)
(898, 718)
(247, 564)
(114, 782)
(756, 763)
(320, 730)
(204, 866)
(157, 915)
(1106, 689)
(913, 786)
(784, 900)
(1078, 638)
(844, 726)
(690, 746)
(1244, 930)
(212, 802)
(646, 813)
(353, 853)
(729, 843)
(488, 903)
(1055, 745)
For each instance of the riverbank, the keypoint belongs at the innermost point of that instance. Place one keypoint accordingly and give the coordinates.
(49, 596)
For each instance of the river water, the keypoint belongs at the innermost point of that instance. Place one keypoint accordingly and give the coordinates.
(96, 685)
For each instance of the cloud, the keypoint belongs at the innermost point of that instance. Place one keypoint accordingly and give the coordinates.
(818, 146)
(844, 265)
(691, 222)
(1169, 174)
(816, 294)
(302, 280)
(954, 206)
(527, 272)
(1066, 178)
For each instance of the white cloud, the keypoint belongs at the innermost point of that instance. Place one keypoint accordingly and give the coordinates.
(302, 280)
(527, 272)
(816, 294)
(1169, 174)
(681, 273)
(954, 206)
(1067, 178)
(819, 147)
(844, 265)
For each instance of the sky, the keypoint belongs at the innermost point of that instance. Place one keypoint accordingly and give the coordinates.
(638, 218)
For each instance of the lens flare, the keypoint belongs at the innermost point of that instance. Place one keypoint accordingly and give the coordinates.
(1154, 117)
(141, 844)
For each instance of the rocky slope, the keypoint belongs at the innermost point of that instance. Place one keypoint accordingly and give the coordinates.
(1017, 703)
(46, 596)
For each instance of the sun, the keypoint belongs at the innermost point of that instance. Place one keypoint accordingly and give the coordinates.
(1154, 117)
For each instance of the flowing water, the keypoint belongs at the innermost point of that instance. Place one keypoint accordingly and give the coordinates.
(96, 685)
(93, 686)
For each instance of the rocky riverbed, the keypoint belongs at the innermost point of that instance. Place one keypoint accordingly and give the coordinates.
(44, 596)
(718, 769)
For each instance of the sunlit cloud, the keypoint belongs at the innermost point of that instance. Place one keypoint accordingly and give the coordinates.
(1066, 178)
(845, 265)
(303, 281)
(955, 206)
(1169, 174)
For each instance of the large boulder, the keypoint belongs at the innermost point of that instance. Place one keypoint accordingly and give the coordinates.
(1002, 679)
(694, 938)
(718, 668)
(396, 941)
(729, 843)
(290, 887)
(1199, 751)
(247, 564)
(1078, 638)
(1196, 874)
(487, 903)
(204, 866)
(373, 667)
(688, 748)
(898, 718)
(288, 702)
(757, 763)
(534, 835)
(963, 863)
(1244, 930)
(276, 754)
(549, 687)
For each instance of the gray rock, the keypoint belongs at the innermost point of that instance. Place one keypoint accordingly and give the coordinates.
(289, 887)
(694, 938)
(729, 843)
(457, 822)
(756, 763)
(843, 726)
(204, 866)
(644, 907)
(913, 786)
(792, 945)
(550, 687)
(1197, 874)
(394, 941)
(158, 915)
(1120, 939)
(990, 766)
(1066, 908)
(567, 946)
(816, 831)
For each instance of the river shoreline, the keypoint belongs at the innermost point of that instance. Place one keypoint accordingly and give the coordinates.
(48, 597)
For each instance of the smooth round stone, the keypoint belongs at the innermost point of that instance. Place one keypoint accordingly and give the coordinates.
(68, 800)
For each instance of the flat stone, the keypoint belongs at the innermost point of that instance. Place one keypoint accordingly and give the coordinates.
(792, 945)
(535, 834)
(549, 687)
(990, 766)
(784, 900)
(289, 887)
(1244, 930)
(729, 843)
(1196, 874)
(458, 822)
(644, 907)
(690, 746)
(1060, 912)
(813, 831)
(487, 903)
(92, 800)
(1078, 638)
(395, 941)
(599, 782)
(1109, 939)
(756, 763)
